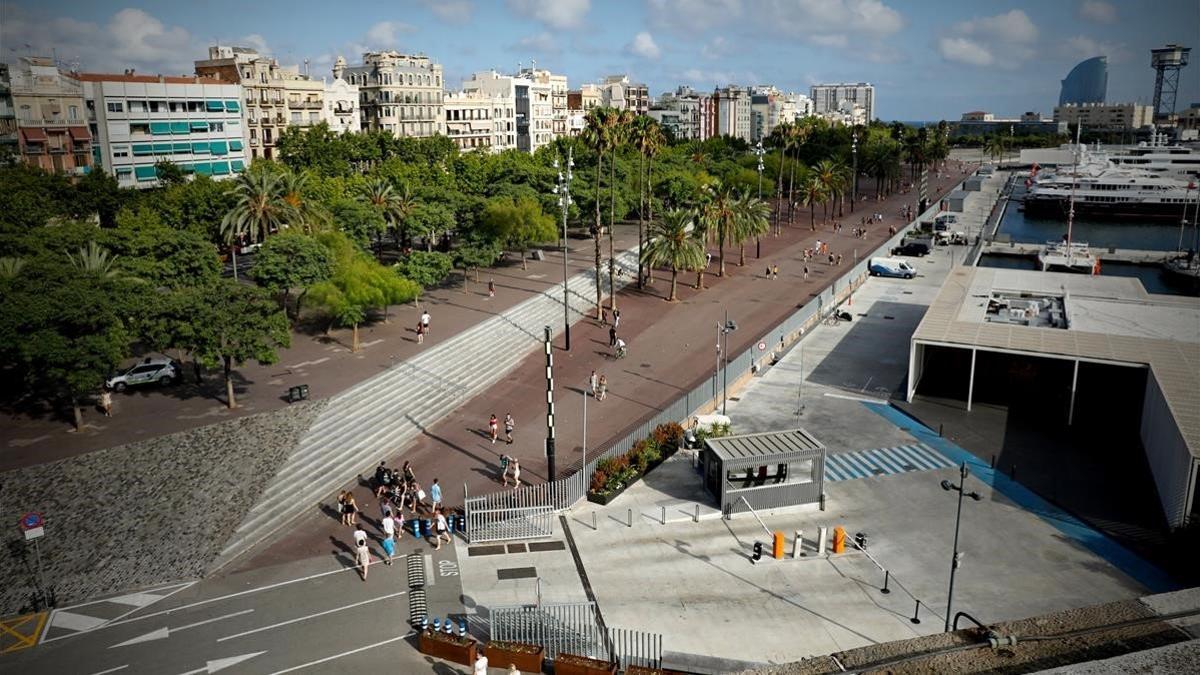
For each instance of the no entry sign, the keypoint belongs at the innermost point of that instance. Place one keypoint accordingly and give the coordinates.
(31, 524)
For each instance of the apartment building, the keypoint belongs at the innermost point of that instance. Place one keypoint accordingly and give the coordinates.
(52, 131)
(770, 107)
(140, 120)
(531, 103)
(686, 114)
(475, 120)
(304, 97)
(618, 92)
(341, 111)
(732, 108)
(264, 87)
(586, 97)
(829, 98)
(399, 93)
(9, 149)
(1106, 116)
(558, 96)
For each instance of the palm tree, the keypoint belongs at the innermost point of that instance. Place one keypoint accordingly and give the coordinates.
(309, 215)
(994, 146)
(655, 140)
(647, 138)
(596, 136)
(778, 139)
(10, 268)
(394, 205)
(827, 172)
(812, 192)
(94, 259)
(619, 125)
(718, 209)
(797, 133)
(259, 209)
(701, 231)
(670, 243)
(753, 220)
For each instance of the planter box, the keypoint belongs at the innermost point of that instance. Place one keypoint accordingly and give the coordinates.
(571, 664)
(501, 657)
(609, 496)
(448, 647)
(643, 670)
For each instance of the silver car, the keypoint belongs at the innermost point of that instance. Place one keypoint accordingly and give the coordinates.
(160, 370)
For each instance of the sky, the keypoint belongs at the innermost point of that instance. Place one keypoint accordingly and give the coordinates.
(928, 59)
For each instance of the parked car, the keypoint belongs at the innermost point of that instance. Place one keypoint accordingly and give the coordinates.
(911, 248)
(161, 370)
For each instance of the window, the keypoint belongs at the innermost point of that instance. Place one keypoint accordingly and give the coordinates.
(124, 174)
(113, 106)
(157, 106)
(121, 151)
(219, 126)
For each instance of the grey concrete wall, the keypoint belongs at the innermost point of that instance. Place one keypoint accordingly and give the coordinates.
(1171, 462)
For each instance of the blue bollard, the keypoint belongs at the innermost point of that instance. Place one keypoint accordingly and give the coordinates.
(424, 623)
(462, 629)
(437, 625)
(449, 627)
(416, 528)
(462, 523)
(425, 527)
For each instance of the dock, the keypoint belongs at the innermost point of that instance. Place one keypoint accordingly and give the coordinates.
(1125, 255)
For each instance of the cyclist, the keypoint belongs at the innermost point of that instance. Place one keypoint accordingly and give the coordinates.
(620, 346)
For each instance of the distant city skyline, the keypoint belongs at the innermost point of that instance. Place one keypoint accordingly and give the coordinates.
(927, 60)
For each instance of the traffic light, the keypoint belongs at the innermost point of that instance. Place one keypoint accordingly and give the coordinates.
(757, 551)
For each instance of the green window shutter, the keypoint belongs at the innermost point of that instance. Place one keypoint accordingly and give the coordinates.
(187, 168)
(160, 128)
(203, 168)
(145, 173)
(238, 165)
(199, 126)
(200, 147)
(231, 106)
(182, 147)
(235, 145)
(219, 147)
(163, 148)
(220, 168)
(143, 150)
(214, 106)
(180, 127)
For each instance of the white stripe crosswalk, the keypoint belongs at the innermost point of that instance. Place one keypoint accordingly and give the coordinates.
(884, 462)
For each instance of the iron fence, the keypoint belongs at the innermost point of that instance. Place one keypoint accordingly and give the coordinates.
(571, 627)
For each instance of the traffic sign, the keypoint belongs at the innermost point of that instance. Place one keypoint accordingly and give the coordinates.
(762, 346)
(31, 520)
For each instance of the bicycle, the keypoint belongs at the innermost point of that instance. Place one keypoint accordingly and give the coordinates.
(620, 353)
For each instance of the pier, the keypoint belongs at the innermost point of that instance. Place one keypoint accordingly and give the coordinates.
(1125, 255)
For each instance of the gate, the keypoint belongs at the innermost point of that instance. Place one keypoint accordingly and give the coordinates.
(572, 627)
(526, 513)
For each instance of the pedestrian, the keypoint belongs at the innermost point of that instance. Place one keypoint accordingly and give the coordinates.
(420, 333)
(385, 505)
(389, 545)
(351, 509)
(407, 470)
(425, 319)
(839, 259)
(360, 536)
(602, 388)
(481, 665)
(612, 335)
(592, 383)
(416, 496)
(516, 473)
(435, 494)
(506, 463)
(831, 259)
(341, 507)
(707, 259)
(768, 271)
(806, 272)
(603, 315)
(493, 427)
(106, 403)
(383, 479)
(509, 425)
(491, 288)
(775, 272)
(441, 529)
(512, 669)
(616, 318)
(362, 559)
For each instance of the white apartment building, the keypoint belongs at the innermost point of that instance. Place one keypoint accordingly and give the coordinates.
(576, 122)
(531, 103)
(558, 96)
(341, 106)
(828, 98)
(263, 89)
(685, 113)
(398, 93)
(732, 105)
(475, 120)
(139, 120)
(618, 92)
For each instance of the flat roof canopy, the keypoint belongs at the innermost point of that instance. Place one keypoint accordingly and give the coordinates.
(765, 448)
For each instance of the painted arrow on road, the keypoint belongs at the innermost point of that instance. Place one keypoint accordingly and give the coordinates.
(165, 632)
(222, 664)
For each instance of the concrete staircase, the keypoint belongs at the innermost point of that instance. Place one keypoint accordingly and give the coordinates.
(383, 414)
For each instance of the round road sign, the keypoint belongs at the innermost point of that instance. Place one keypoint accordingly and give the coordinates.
(762, 346)
(31, 520)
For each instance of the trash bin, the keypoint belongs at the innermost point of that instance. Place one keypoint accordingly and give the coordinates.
(860, 538)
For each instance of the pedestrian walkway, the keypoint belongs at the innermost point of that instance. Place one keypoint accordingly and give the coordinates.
(884, 462)
(384, 413)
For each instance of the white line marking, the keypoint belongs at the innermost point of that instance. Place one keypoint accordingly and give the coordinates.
(372, 343)
(308, 363)
(310, 616)
(165, 632)
(337, 656)
(430, 577)
(864, 399)
(112, 670)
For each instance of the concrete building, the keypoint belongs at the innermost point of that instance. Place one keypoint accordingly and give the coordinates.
(1094, 348)
(558, 96)
(1086, 83)
(140, 120)
(9, 149)
(828, 98)
(732, 107)
(688, 115)
(770, 107)
(1106, 116)
(978, 116)
(398, 93)
(341, 111)
(478, 121)
(585, 98)
(618, 92)
(576, 122)
(304, 97)
(52, 131)
(983, 123)
(262, 80)
(531, 104)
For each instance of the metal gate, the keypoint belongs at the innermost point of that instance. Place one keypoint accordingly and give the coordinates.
(571, 627)
(525, 513)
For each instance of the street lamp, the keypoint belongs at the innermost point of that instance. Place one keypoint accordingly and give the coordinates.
(723, 330)
(562, 188)
(759, 151)
(854, 182)
(584, 470)
(957, 558)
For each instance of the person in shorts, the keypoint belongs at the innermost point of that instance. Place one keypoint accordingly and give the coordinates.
(441, 529)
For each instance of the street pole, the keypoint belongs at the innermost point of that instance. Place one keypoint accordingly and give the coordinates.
(563, 190)
(759, 151)
(550, 468)
(854, 181)
(957, 557)
(717, 368)
(725, 370)
(585, 471)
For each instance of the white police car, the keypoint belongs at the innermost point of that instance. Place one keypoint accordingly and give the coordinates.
(151, 370)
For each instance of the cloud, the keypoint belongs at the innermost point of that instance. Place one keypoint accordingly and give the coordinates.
(965, 50)
(1098, 11)
(691, 16)
(707, 79)
(1002, 41)
(716, 48)
(1013, 26)
(385, 34)
(832, 40)
(450, 11)
(1084, 47)
(561, 14)
(256, 42)
(543, 43)
(643, 46)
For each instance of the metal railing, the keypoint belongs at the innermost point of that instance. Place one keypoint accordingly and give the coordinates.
(571, 627)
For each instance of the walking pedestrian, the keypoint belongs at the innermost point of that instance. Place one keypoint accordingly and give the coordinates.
(491, 288)
(385, 506)
(603, 315)
(768, 271)
(839, 259)
(360, 536)
(389, 545)
(505, 465)
(593, 381)
(420, 333)
(435, 494)
(362, 559)
(806, 272)
(425, 319)
(441, 529)
(831, 259)
(481, 665)
(616, 318)
(516, 473)
(602, 388)
(612, 335)
(407, 470)
(493, 427)
(775, 272)
(509, 425)
(383, 479)
(106, 403)
(351, 509)
(341, 507)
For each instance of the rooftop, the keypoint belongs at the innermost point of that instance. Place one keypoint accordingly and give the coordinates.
(768, 444)
(1108, 319)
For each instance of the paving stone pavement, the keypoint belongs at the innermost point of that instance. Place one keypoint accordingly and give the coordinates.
(144, 513)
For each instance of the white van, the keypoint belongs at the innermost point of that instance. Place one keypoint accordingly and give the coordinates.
(891, 267)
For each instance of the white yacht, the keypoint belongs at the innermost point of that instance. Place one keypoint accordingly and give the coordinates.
(1158, 158)
(1103, 192)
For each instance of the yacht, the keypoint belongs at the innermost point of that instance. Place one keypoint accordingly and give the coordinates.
(1101, 192)
(1158, 158)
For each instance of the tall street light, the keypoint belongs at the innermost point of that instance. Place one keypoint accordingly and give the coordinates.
(562, 188)
(723, 330)
(854, 182)
(759, 151)
(954, 561)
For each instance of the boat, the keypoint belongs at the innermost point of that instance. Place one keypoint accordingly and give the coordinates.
(1158, 158)
(1068, 255)
(1107, 193)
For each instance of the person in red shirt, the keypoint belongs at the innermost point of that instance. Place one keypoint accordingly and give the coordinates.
(493, 426)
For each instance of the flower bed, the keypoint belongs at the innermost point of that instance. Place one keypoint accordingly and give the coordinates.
(614, 475)
(643, 670)
(449, 647)
(526, 657)
(573, 664)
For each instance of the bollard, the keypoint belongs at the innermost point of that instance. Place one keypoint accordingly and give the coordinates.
(593, 521)
(424, 527)
(777, 546)
(424, 623)
(822, 537)
(416, 528)
(462, 629)
(886, 577)
(940, 428)
(629, 517)
(449, 627)
(993, 461)
(839, 540)
(664, 515)
(822, 501)
(798, 544)
(437, 625)
(916, 612)
(696, 517)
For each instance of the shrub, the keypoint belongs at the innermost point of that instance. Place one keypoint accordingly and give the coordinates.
(668, 434)
(638, 456)
(599, 480)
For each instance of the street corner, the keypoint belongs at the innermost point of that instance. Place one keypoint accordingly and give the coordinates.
(21, 632)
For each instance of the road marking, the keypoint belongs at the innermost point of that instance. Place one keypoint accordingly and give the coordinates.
(222, 664)
(372, 343)
(75, 617)
(112, 670)
(21, 639)
(430, 579)
(308, 363)
(310, 616)
(340, 655)
(165, 632)
(77, 622)
(863, 399)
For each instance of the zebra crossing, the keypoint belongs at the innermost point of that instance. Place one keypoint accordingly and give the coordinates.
(884, 461)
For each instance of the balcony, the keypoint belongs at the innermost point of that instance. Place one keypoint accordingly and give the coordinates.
(305, 105)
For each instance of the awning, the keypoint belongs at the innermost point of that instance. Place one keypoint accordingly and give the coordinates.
(214, 106)
(200, 147)
(143, 150)
(183, 147)
(203, 168)
(163, 148)
(199, 126)
(80, 134)
(145, 173)
(33, 134)
(235, 145)
(219, 148)
(220, 168)
(160, 128)
(231, 106)
(238, 165)
(180, 127)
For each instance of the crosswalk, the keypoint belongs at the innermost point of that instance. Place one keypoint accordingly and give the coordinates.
(884, 461)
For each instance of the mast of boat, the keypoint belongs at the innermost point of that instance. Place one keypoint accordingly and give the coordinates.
(1071, 204)
(1183, 221)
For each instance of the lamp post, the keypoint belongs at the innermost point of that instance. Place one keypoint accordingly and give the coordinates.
(854, 181)
(759, 151)
(550, 468)
(562, 188)
(957, 558)
(584, 471)
(723, 330)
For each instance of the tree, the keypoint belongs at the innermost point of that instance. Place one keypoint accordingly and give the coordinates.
(307, 213)
(597, 135)
(428, 220)
(812, 192)
(358, 220)
(95, 261)
(647, 135)
(670, 243)
(619, 125)
(238, 323)
(357, 285)
(426, 268)
(259, 209)
(473, 253)
(169, 173)
(518, 224)
(994, 146)
(752, 219)
(97, 194)
(392, 204)
(291, 260)
(830, 176)
(718, 210)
